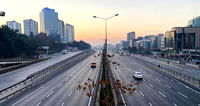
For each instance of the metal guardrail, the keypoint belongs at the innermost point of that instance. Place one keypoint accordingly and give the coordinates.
(39, 77)
(174, 73)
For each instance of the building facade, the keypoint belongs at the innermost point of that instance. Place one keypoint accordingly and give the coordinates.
(49, 21)
(14, 25)
(61, 30)
(159, 41)
(130, 39)
(183, 39)
(195, 22)
(69, 33)
(30, 26)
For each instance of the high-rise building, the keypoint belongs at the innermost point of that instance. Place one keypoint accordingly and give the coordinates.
(194, 22)
(61, 26)
(30, 26)
(159, 42)
(69, 33)
(14, 25)
(130, 39)
(49, 21)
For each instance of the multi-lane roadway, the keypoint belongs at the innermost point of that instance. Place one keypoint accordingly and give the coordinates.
(61, 90)
(18, 75)
(156, 89)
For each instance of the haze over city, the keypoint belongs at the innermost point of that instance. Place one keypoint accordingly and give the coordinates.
(145, 17)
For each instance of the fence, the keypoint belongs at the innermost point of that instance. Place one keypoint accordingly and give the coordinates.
(174, 73)
(40, 76)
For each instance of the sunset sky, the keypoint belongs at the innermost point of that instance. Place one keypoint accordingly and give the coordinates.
(142, 16)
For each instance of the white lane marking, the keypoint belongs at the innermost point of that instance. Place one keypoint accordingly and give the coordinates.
(167, 86)
(151, 85)
(158, 80)
(60, 85)
(62, 104)
(92, 91)
(70, 93)
(26, 96)
(150, 104)
(175, 104)
(50, 93)
(122, 98)
(38, 104)
(182, 95)
(161, 94)
(183, 84)
(141, 93)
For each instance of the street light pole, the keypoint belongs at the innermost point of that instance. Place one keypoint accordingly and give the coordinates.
(106, 33)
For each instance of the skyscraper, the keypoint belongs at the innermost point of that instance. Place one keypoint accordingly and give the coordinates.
(30, 26)
(49, 21)
(69, 33)
(130, 39)
(61, 30)
(14, 25)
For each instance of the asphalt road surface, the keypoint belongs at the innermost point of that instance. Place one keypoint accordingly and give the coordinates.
(156, 89)
(61, 90)
(18, 75)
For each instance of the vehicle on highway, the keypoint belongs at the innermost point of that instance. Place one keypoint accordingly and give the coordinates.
(137, 75)
(93, 65)
(121, 53)
(64, 51)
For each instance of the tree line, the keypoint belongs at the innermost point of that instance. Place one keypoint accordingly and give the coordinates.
(14, 44)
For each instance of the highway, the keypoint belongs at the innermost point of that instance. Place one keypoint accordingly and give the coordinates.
(61, 90)
(156, 89)
(18, 75)
(187, 70)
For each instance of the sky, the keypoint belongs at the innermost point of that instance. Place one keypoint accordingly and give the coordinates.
(145, 17)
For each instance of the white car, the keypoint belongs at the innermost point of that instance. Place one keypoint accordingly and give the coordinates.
(64, 51)
(137, 75)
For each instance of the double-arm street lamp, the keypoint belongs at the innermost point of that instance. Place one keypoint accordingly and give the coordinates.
(105, 19)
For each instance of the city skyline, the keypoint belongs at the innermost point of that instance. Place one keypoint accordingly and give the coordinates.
(143, 17)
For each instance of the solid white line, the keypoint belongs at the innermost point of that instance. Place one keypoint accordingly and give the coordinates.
(62, 104)
(141, 93)
(151, 85)
(38, 104)
(26, 96)
(50, 94)
(167, 86)
(182, 95)
(92, 91)
(150, 104)
(122, 98)
(175, 104)
(161, 94)
(70, 93)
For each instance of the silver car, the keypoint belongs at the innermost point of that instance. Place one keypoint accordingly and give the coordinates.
(137, 75)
